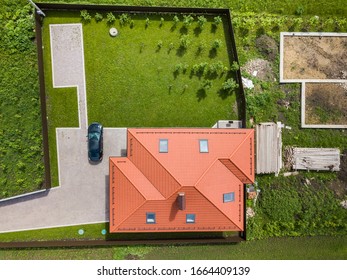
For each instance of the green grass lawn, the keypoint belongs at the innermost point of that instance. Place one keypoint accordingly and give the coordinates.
(143, 78)
(131, 82)
(304, 248)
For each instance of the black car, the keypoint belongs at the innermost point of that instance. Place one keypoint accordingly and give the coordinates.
(95, 142)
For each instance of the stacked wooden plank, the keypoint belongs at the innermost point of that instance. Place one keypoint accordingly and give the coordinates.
(269, 148)
(327, 159)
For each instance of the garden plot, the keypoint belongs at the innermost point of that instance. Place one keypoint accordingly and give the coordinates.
(313, 56)
(319, 62)
(326, 103)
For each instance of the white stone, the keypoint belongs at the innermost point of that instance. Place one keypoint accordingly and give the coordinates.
(247, 83)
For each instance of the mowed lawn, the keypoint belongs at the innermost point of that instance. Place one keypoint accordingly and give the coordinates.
(131, 80)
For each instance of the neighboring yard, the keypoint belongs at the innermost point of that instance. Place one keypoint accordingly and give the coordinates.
(316, 57)
(326, 103)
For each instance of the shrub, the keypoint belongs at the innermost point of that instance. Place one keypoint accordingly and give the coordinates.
(201, 21)
(185, 41)
(187, 20)
(178, 68)
(159, 44)
(201, 47)
(176, 20)
(235, 66)
(207, 84)
(161, 22)
(299, 10)
(98, 17)
(217, 20)
(131, 24)
(124, 19)
(147, 22)
(185, 68)
(171, 46)
(230, 85)
(85, 15)
(216, 44)
(110, 18)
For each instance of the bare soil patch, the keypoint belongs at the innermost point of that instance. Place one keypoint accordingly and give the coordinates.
(314, 57)
(262, 67)
(326, 103)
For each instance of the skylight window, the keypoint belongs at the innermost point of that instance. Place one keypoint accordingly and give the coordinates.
(203, 146)
(150, 218)
(190, 218)
(163, 146)
(228, 197)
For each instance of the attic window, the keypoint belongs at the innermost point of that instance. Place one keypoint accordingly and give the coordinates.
(190, 218)
(228, 197)
(203, 145)
(163, 146)
(150, 218)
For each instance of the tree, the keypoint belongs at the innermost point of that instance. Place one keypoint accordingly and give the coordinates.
(201, 21)
(110, 18)
(85, 15)
(176, 20)
(185, 41)
(187, 20)
(230, 85)
(217, 20)
(98, 17)
(216, 44)
(235, 66)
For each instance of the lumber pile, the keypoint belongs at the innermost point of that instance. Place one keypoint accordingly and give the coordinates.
(269, 147)
(326, 159)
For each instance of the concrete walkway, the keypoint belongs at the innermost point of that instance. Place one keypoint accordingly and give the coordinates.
(82, 197)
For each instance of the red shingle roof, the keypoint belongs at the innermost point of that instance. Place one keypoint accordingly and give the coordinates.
(148, 181)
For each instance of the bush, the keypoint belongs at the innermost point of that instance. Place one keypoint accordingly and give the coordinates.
(230, 85)
(98, 17)
(159, 44)
(235, 66)
(207, 84)
(85, 16)
(187, 20)
(216, 44)
(110, 18)
(161, 22)
(217, 20)
(201, 21)
(185, 41)
(124, 19)
(176, 20)
(147, 22)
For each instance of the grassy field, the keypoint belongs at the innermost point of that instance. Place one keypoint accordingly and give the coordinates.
(21, 155)
(305, 248)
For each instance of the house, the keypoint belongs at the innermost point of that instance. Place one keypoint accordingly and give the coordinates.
(181, 180)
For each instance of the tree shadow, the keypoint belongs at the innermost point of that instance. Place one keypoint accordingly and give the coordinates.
(260, 31)
(201, 94)
(213, 28)
(197, 31)
(181, 51)
(224, 93)
(184, 30)
(212, 53)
